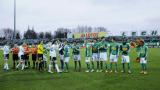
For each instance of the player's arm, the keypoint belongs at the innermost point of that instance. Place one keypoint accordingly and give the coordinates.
(110, 50)
(146, 51)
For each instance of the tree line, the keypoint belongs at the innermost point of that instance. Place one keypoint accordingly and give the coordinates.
(7, 33)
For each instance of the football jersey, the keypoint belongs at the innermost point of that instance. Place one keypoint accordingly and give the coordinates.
(103, 46)
(143, 51)
(66, 51)
(88, 50)
(15, 50)
(6, 49)
(114, 48)
(53, 50)
(61, 49)
(95, 47)
(40, 49)
(21, 51)
(76, 49)
(34, 50)
(124, 48)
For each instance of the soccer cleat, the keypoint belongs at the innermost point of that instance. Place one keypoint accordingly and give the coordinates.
(145, 72)
(106, 71)
(50, 71)
(116, 71)
(129, 72)
(66, 71)
(100, 70)
(110, 71)
(122, 71)
(141, 72)
(92, 70)
(87, 71)
(97, 71)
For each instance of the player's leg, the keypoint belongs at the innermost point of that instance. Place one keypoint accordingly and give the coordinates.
(56, 65)
(34, 61)
(87, 60)
(79, 62)
(66, 64)
(75, 62)
(50, 65)
(62, 62)
(142, 65)
(128, 63)
(116, 64)
(145, 66)
(111, 62)
(92, 62)
(6, 57)
(123, 63)
(14, 61)
(28, 60)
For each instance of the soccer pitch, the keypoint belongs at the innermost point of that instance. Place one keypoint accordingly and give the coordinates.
(34, 80)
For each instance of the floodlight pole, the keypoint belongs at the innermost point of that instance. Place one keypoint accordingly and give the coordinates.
(14, 20)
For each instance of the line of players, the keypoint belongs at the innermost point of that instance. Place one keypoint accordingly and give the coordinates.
(96, 52)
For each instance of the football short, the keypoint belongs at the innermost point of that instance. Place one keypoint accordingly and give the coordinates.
(15, 57)
(44, 58)
(21, 57)
(34, 57)
(61, 57)
(87, 59)
(113, 58)
(95, 57)
(53, 58)
(143, 61)
(40, 56)
(125, 59)
(103, 56)
(66, 59)
(6, 56)
(76, 57)
(26, 57)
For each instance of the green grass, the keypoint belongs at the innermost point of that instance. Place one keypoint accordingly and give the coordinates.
(33, 80)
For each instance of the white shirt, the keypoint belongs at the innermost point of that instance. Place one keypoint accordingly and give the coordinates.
(21, 51)
(6, 49)
(53, 50)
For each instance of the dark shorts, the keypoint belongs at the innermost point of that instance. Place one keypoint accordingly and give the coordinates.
(15, 57)
(22, 57)
(6, 56)
(53, 58)
(26, 57)
(40, 56)
(34, 57)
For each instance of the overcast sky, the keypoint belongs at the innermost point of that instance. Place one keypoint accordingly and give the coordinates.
(115, 15)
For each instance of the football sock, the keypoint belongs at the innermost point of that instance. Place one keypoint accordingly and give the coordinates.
(92, 65)
(66, 65)
(62, 64)
(79, 65)
(129, 67)
(142, 67)
(75, 63)
(57, 68)
(101, 64)
(88, 66)
(123, 66)
(145, 67)
(98, 65)
(106, 66)
(110, 66)
(116, 68)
